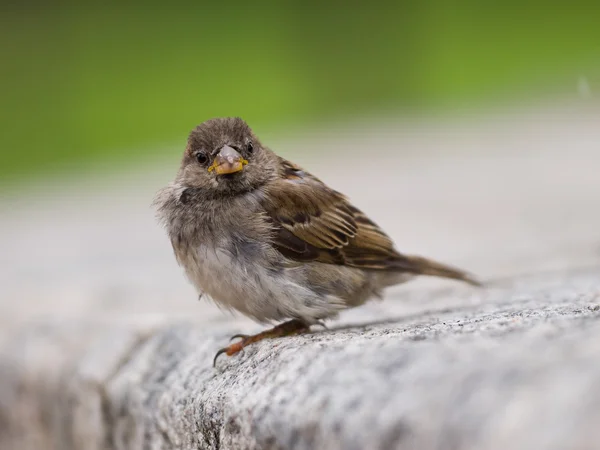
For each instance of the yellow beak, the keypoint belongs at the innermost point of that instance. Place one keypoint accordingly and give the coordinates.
(228, 160)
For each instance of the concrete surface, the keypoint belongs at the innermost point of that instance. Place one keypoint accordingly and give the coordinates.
(103, 344)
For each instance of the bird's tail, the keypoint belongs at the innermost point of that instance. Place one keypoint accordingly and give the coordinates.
(423, 266)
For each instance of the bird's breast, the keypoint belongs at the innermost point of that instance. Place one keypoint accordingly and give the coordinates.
(237, 273)
(229, 256)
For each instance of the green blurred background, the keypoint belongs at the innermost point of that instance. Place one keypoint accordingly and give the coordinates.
(107, 82)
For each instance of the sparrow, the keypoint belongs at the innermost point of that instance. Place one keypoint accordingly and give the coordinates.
(262, 236)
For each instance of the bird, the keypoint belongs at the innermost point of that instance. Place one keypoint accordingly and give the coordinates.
(260, 235)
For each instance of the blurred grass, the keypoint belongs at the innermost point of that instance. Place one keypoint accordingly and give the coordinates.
(82, 83)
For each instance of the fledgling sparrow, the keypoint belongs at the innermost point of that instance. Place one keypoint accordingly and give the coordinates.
(262, 236)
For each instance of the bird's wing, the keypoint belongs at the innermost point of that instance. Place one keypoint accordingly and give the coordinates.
(316, 223)
(313, 222)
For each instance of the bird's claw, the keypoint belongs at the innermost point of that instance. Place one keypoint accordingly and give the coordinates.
(239, 336)
(233, 348)
(230, 350)
(219, 353)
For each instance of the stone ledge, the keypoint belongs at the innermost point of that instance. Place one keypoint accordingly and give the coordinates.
(518, 368)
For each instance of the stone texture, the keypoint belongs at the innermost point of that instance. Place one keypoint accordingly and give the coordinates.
(102, 345)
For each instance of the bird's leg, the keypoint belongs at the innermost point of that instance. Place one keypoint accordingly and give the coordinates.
(285, 329)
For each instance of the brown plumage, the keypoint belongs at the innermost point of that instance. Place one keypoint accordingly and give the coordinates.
(260, 235)
(317, 223)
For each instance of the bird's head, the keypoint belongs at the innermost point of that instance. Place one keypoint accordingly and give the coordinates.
(224, 158)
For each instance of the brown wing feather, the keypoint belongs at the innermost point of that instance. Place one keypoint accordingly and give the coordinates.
(315, 222)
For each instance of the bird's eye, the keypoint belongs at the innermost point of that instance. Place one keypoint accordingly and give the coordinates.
(250, 147)
(201, 157)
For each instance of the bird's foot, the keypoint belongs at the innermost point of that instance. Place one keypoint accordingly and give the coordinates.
(285, 329)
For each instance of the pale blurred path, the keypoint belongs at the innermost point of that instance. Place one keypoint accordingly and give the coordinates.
(515, 200)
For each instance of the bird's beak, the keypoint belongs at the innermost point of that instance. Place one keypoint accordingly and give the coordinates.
(227, 161)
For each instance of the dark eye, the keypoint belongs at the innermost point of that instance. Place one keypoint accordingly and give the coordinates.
(201, 157)
(250, 147)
